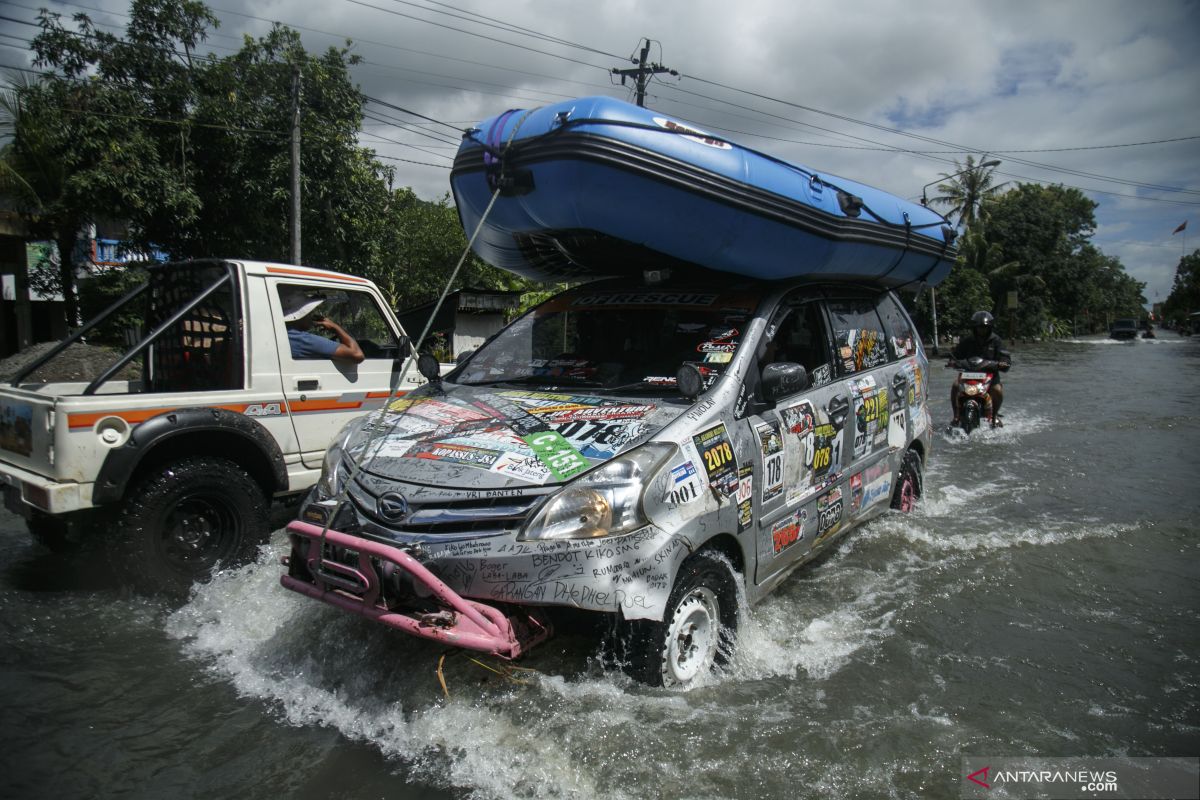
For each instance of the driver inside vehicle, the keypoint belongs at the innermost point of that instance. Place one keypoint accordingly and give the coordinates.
(301, 316)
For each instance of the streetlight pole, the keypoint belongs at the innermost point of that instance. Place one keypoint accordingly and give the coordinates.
(925, 202)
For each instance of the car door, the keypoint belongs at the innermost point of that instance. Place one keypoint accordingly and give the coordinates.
(324, 393)
(799, 437)
(877, 387)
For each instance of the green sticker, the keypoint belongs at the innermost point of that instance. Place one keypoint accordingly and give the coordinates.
(557, 454)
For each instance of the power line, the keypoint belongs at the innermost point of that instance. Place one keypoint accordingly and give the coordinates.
(391, 121)
(931, 140)
(505, 26)
(896, 131)
(878, 145)
(479, 35)
(404, 110)
(410, 161)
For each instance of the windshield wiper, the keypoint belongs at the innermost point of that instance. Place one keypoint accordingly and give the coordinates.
(541, 380)
(655, 387)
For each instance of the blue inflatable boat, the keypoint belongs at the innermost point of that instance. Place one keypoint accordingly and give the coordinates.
(598, 187)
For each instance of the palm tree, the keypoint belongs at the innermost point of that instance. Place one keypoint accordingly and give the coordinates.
(965, 190)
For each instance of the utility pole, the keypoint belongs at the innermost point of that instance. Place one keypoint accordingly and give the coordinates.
(643, 72)
(295, 226)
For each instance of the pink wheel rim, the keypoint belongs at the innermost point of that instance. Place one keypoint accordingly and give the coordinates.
(908, 494)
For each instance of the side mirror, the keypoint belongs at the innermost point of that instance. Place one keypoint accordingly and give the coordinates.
(689, 381)
(782, 379)
(429, 368)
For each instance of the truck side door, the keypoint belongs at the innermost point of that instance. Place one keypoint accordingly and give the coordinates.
(323, 393)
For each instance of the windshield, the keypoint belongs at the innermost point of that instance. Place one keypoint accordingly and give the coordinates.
(611, 339)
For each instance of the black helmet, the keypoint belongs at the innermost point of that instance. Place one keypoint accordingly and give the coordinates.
(982, 323)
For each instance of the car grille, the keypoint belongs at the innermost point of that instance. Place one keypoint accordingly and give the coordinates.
(444, 516)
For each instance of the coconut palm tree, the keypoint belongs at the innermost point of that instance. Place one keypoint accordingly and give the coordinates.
(965, 190)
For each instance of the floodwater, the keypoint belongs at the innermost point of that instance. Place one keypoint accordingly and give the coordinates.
(1043, 599)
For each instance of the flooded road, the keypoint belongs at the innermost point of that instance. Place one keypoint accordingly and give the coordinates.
(1043, 599)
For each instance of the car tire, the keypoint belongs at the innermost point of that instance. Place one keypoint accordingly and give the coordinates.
(697, 633)
(184, 521)
(908, 482)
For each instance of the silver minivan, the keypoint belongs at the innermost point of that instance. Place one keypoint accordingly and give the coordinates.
(647, 451)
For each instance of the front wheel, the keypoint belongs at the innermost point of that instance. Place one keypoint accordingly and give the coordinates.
(184, 521)
(908, 483)
(698, 630)
(970, 416)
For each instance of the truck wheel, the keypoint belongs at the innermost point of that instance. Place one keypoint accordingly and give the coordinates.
(185, 521)
(908, 482)
(698, 630)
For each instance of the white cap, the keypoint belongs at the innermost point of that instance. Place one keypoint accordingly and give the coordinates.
(306, 307)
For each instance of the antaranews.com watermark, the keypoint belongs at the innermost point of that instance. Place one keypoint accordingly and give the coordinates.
(1035, 778)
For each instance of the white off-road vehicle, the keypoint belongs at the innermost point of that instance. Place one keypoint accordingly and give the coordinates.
(174, 453)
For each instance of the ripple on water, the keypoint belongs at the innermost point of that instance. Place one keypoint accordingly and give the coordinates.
(580, 731)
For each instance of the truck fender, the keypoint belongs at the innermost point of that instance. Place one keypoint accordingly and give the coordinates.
(121, 463)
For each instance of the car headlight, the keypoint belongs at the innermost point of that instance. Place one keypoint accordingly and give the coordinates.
(332, 467)
(605, 502)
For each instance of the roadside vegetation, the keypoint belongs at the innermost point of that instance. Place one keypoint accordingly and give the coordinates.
(193, 153)
(1035, 241)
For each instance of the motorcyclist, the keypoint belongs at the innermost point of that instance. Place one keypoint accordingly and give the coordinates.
(986, 344)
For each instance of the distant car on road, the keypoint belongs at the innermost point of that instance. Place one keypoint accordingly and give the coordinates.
(1123, 329)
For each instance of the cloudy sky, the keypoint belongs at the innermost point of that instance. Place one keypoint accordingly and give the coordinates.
(1095, 94)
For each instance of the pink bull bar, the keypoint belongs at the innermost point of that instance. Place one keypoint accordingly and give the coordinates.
(462, 623)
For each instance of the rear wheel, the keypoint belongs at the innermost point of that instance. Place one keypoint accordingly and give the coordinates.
(698, 630)
(908, 483)
(184, 522)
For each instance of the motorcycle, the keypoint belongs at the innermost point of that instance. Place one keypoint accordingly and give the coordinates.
(974, 383)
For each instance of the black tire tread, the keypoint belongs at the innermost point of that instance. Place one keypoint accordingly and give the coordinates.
(132, 550)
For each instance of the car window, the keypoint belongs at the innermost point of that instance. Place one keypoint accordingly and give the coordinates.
(608, 338)
(356, 312)
(902, 339)
(858, 334)
(202, 350)
(800, 336)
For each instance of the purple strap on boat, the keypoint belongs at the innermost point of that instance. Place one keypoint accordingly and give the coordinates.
(491, 159)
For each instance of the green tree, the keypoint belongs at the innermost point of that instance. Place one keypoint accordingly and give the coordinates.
(88, 142)
(1185, 292)
(194, 154)
(1044, 230)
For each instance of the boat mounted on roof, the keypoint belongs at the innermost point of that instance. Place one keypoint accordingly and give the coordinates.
(598, 187)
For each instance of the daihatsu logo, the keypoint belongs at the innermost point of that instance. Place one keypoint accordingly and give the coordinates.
(392, 506)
